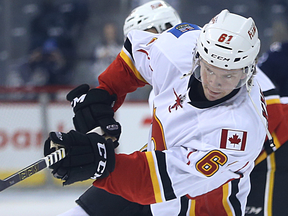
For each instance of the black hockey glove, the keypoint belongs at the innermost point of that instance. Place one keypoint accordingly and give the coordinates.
(93, 108)
(88, 156)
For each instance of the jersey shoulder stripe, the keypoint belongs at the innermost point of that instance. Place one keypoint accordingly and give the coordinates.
(131, 65)
(272, 100)
(270, 92)
(128, 47)
(271, 97)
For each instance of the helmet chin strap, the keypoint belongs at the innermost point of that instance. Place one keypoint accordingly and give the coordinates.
(195, 65)
(186, 74)
(249, 85)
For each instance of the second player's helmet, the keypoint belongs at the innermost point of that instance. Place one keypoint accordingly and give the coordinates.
(157, 14)
(229, 41)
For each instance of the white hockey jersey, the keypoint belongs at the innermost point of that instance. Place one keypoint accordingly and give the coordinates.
(200, 153)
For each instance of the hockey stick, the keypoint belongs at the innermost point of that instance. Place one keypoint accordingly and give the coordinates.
(39, 165)
(33, 168)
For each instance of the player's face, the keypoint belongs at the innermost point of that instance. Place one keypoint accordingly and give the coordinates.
(217, 82)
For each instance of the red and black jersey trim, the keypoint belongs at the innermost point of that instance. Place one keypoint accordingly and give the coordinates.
(233, 199)
(128, 47)
(270, 92)
(165, 179)
(184, 206)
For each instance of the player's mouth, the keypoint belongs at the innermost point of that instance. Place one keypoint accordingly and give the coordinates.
(213, 93)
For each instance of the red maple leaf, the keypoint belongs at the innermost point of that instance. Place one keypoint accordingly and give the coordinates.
(235, 139)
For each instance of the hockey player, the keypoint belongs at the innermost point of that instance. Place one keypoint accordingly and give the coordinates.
(194, 166)
(276, 125)
(155, 17)
(200, 162)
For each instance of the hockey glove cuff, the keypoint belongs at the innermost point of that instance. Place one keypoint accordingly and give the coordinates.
(93, 108)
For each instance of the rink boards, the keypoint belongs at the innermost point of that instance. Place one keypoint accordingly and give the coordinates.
(21, 133)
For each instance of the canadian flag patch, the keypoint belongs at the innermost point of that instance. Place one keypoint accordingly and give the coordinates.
(233, 139)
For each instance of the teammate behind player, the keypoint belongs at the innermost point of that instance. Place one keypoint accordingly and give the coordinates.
(153, 16)
(197, 168)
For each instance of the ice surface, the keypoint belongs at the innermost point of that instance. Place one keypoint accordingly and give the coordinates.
(41, 202)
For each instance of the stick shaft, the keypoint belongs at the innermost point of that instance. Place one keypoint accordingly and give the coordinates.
(32, 169)
(39, 165)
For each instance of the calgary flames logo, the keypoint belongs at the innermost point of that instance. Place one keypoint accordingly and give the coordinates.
(178, 102)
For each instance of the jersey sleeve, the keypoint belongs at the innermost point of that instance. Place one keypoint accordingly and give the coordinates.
(119, 79)
(277, 124)
(272, 98)
(159, 176)
(277, 114)
(129, 70)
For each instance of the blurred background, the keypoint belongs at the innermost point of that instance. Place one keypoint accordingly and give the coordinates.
(73, 34)
(48, 47)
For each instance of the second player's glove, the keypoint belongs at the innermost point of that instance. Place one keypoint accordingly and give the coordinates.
(93, 108)
(88, 156)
